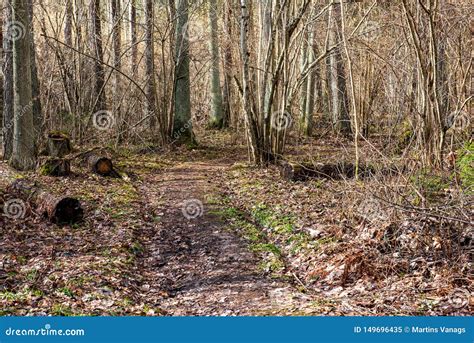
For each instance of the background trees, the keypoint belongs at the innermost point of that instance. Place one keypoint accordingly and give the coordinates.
(280, 68)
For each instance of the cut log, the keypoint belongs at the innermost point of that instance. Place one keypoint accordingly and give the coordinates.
(304, 171)
(55, 167)
(101, 165)
(59, 144)
(58, 209)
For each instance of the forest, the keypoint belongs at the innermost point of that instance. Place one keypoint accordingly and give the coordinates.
(237, 158)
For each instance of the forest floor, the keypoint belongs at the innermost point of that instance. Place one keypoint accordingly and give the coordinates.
(197, 231)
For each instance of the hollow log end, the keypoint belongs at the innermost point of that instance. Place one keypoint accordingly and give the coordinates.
(104, 166)
(68, 210)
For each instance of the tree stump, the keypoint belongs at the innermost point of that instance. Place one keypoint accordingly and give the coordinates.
(59, 144)
(58, 209)
(55, 167)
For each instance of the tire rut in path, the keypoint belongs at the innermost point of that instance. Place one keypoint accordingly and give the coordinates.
(198, 266)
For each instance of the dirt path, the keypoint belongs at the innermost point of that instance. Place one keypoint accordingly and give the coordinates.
(193, 264)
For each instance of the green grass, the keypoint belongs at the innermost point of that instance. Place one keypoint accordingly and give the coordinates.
(465, 164)
(61, 310)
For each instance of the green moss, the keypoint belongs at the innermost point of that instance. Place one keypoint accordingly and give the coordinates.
(465, 165)
(67, 291)
(405, 137)
(266, 217)
(430, 184)
(136, 248)
(61, 310)
(45, 170)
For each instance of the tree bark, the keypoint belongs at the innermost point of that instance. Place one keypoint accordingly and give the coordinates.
(117, 50)
(35, 91)
(150, 65)
(59, 145)
(133, 35)
(227, 92)
(24, 139)
(337, 76)
(217, 115)
(96, 37)
(182, 127)
(252, 135)
(7, 83)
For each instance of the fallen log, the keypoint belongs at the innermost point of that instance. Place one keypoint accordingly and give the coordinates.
(58, 209)
(58, 145)
(55, 167)
(304, 171)
(101, 165)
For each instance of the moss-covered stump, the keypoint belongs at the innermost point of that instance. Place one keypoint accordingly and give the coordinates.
(58, 145)
(54, 167)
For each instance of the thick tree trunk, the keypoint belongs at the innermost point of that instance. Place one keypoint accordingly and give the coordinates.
(182, 127)
(227, 92)
(217, 115)
(24, 139)
(151, 108)
(117, 50)
(133, 35)
(35, 91)
(336, 75)
(313, 87)
(96, 37)
(251, 126)
(58, 209)
(7, 130)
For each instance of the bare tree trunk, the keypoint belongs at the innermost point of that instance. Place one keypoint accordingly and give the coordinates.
(337, 77)
(429, 50)
(7, 83)
(117, 47)
(24, 139)
(250, 123)
(182, 128)
(227, 92)
(133, 35)
(37, 112)
(352, 87)
(68, 23)
(96, 36)
(150, 65)
(78, 67)
(310, 87)
(217, 116)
